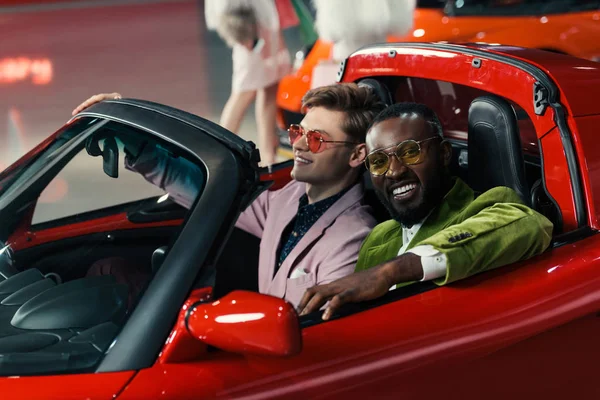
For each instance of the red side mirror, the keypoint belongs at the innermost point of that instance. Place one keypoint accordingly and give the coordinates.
(247, 322)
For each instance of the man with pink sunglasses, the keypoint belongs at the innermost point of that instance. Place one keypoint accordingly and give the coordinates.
(312, 229)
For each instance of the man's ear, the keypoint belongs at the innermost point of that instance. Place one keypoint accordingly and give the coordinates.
(358, 155)
(446, 152)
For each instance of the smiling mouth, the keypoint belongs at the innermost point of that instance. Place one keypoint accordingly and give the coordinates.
(404, 191)
(301, 161)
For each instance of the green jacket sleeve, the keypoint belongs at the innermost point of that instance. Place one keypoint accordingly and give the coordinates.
(360, 264)
(380, 245)
(494, 230)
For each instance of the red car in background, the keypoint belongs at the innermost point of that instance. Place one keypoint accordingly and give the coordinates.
(199, 329)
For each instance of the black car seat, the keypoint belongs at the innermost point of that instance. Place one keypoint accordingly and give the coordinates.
(495, 156)
(380, 89)
(495, 151)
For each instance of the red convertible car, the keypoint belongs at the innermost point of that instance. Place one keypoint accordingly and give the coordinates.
(521, 118)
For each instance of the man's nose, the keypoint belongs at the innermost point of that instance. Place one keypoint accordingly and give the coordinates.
(397, 167)
(301, 144)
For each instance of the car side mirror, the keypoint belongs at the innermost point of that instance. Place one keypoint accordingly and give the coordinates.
(248, 323)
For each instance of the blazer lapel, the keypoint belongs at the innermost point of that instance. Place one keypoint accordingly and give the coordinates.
(353, 195)
(387, 250)
(281, 214)
(454, 202)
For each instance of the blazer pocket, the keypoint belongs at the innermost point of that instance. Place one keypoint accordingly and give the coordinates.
(295, 288)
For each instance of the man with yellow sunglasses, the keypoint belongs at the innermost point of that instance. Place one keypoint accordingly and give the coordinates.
(439, 230)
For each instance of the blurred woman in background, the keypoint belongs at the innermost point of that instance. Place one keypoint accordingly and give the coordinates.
(252, 29)
(352, 24)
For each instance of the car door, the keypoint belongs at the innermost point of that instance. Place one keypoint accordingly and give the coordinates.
(60, 330)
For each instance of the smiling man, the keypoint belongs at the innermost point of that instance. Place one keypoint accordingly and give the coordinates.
(439, 230)
(311, 230)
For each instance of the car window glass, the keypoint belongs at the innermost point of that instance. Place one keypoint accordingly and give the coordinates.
(82, 186)
(12, 178)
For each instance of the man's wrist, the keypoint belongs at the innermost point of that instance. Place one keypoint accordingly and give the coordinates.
(404, 268)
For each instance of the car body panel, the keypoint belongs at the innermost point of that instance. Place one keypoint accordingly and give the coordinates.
(567, 33)
(31, 238)
(587, 142)
(66, 387)
(399, 346)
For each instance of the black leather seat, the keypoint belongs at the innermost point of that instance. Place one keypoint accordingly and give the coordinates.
(380, 89)
(495, 151)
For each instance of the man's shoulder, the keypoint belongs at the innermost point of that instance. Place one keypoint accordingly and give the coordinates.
(499, 194)
(292, 185)
(358, 214)
(292, 189)
(489, 198)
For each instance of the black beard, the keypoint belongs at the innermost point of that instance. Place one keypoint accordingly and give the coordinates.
(431, 198)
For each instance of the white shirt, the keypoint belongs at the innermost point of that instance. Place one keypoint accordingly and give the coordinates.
(433, 262)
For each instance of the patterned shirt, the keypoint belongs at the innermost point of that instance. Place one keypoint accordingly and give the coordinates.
(306, 217)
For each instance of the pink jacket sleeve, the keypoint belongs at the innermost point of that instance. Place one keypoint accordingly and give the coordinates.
(182, 180)
(179, 177)
(343, 254)
(254, 217)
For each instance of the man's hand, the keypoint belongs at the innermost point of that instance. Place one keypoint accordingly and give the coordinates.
(96, 99)
(361, 286)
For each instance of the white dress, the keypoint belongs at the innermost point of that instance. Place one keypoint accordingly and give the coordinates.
(269, 61)
(352, 24)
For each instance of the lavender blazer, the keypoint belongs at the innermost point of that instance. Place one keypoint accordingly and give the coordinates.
(328, 251)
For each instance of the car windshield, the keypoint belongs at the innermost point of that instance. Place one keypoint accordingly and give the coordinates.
(518, 7)
(24, 169)
(85, 224)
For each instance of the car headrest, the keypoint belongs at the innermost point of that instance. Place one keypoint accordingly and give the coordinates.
(495, 153)
(380, 90)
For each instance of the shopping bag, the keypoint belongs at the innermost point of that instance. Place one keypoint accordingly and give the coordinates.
(306, 22)
(287, 14)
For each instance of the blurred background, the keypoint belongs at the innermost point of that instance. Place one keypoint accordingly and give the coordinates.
(56, 53)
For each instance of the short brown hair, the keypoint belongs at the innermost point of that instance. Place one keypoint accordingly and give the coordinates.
(360, 103)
